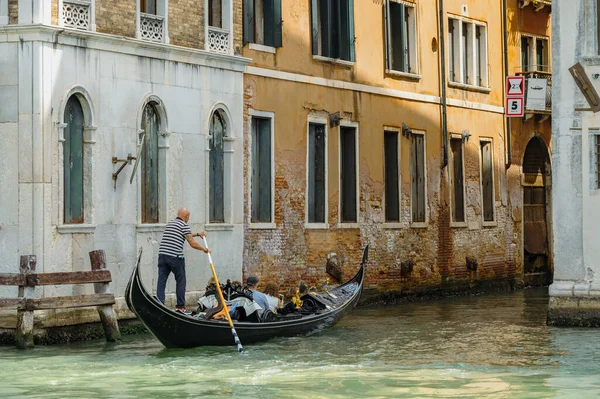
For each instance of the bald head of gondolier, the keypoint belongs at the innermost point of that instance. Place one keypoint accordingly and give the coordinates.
(183, 214)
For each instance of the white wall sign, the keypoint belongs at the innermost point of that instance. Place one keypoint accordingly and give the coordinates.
(536, 94)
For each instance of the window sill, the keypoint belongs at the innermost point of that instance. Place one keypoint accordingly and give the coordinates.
(347, 225)
(418, 225)
(399, 74)
(316, 226)
(491, 223)
(464, 86)
(335, 61)
(392, 225)
(218, 227)
(262, 226)
(459, 224)
(76, 228)
(150, 227)
(262, 48)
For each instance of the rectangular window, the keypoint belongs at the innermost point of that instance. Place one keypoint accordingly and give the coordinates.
(348, 174)
(487, 180)
(261, 170)
(457, 180)
(525, 53)
(262, 22)
(148, 6)
(316, 173)
(333, 28)
(401, 37)
(417, 175)
(534, 54)
(391, 171)
(215, 13)
(467, 55)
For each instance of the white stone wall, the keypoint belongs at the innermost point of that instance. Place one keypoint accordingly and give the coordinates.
(40, 67)
(576, 207)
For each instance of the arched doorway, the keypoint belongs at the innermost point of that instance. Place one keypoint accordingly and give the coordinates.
(537, 252)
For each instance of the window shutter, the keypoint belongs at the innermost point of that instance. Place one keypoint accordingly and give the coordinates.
(314, 9)
(351, 28)
(278, 24)
(392, 203)
(248, 21)
(348, 180)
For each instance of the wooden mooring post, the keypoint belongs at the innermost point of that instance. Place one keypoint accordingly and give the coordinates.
(107, 314)
(27, 279)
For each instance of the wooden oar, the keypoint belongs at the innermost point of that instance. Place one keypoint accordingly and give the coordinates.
(226, 310)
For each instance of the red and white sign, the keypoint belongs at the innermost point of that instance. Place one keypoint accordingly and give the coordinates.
(514, 106)
(515, 86)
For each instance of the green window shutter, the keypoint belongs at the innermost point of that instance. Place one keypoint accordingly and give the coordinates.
(316, 173)
(392, 196)
(73, 162)
(216, 189)
(248, 21)
(261, 170)
(351, 28)
(314, 12)
(277, 24)
(150, 166)
(348, 174)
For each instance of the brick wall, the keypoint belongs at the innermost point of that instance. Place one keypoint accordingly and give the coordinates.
(186, 23)
(116, 17)
(238, 29)
(54, 20)
(13, 11)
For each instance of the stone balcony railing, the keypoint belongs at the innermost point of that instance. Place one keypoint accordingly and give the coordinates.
(547, 75)
(218, 40)
(76, 14)
(152, 27)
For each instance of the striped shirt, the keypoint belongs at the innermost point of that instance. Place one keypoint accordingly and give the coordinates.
(173, 238)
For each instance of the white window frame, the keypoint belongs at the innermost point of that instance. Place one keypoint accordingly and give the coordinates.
(532, 61)
(493, 222)
(271, 116)
(453, 223)
(398, 224)
(162, 9)
(354, 125)
(424, 224)
(413, 39)
(322, 121)
(226, 22)
(459, 53)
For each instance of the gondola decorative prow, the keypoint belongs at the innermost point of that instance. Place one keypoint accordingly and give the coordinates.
(220, 293)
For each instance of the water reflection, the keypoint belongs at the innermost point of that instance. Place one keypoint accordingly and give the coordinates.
(494, 346)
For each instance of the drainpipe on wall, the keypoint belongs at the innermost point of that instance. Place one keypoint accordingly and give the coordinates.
(507, 120)
(443, 83)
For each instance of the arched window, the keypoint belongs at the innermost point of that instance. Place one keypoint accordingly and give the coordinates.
(216, 169)
(73, 161)
(150, 165)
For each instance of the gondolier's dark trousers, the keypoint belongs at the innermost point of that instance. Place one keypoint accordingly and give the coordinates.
(167, 265)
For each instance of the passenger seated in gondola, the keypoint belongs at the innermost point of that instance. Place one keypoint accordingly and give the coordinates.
(272, 292)
(238, 298)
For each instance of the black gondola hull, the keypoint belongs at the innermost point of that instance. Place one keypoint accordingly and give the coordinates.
(175, 330)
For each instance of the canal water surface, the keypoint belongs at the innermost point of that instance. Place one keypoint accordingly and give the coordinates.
(493, 346)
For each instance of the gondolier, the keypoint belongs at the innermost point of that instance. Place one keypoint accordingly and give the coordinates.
(171, 258)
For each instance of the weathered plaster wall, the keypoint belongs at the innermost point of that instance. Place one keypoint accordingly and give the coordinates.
(44, 67)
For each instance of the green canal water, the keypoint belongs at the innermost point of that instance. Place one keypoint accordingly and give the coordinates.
(493, 346)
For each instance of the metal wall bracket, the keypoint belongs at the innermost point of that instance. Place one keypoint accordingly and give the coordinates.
(125, 162)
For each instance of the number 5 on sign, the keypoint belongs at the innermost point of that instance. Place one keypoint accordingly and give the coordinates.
(514, 107)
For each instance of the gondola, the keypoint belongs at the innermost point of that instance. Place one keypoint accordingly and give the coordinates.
(176, 330)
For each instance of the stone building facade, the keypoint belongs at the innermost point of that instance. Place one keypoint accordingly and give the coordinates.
(92, 91)
(387, 130)
(575, 292)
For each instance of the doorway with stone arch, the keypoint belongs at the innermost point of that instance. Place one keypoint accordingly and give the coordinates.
(537, 221)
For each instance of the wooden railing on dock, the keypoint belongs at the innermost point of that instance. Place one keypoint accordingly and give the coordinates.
(28, 279)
